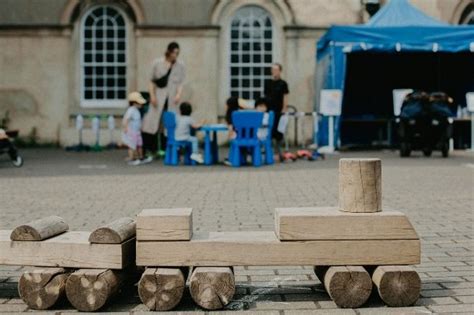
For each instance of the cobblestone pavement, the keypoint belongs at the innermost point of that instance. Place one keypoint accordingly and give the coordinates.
(88, 189)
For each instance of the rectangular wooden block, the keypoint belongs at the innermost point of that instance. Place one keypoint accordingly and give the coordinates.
(264, 249)
(68, 250)
(164, 225)
(327, 223)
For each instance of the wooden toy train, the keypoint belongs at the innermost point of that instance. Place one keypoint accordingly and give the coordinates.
(354, 248)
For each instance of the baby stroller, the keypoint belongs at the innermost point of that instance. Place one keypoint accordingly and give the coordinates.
(7, 146)
(424, 123)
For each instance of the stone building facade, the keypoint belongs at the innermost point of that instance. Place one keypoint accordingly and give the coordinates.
(59, 58)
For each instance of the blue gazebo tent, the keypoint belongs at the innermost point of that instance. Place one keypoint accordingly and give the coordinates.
(365, 59)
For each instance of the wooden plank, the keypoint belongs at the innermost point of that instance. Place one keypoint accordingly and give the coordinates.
(39, 230)
(68, 250)
(165, 225)
(115, 232)
(264, 249)
(327, 223)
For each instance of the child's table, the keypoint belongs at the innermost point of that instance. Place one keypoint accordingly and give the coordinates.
(211, 152)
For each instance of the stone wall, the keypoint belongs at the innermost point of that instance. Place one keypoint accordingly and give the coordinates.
(39, 84)
(34, 83)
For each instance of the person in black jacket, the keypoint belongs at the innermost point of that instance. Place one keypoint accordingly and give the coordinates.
(276, 92)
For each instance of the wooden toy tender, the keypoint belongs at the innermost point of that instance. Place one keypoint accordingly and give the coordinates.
(86, 267)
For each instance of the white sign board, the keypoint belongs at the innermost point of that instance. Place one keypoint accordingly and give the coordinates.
(398, 97)
(470, 101)
(331, 102)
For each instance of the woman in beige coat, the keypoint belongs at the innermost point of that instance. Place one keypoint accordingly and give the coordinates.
(165, 87)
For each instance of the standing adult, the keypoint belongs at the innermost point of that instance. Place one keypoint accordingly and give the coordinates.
(166, 88)
(276, 92)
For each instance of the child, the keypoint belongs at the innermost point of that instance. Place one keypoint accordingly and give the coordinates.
(132, 123)
(261, 106)
(184, 123)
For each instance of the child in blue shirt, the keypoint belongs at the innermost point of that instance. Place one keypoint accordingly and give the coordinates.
(184, 123)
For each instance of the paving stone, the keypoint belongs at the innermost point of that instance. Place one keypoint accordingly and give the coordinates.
(321, 312)
(285, 305)
(436, 301)
(453, 308)
(6, 308)
(432, 192)
(393, 311)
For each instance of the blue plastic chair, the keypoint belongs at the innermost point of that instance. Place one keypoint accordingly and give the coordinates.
(267, 143)
(246, 124)
(172, 145)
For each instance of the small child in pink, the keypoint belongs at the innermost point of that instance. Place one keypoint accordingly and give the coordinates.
(132, 123)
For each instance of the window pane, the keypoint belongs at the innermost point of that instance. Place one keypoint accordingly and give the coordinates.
(110, 94)
(104, 45)
(88, 95)
(250, 44)
(110, 82)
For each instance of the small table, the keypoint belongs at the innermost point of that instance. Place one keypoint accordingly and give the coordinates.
(211, 154)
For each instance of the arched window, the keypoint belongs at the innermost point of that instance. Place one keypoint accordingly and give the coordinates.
(103, 58)
(467, 16)
(251, 51)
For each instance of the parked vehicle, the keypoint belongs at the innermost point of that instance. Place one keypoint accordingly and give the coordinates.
(424, 123)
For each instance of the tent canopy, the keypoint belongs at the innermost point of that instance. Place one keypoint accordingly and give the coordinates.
(397, 28)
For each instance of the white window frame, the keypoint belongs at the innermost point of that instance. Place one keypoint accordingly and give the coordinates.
(102, 103)
(251, 89)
